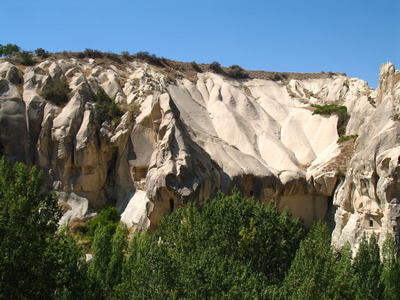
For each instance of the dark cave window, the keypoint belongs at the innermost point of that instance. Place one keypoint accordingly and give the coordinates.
(371, 223)
(171, 205)
(251, 193)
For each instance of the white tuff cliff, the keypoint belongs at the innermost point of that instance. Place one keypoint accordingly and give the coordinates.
(195, 137)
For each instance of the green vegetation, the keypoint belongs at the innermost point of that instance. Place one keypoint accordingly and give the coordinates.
(40, 52)
(196, 67)
(276, 76)
(237, 72)
(26, 58)
(340, 111)
(108, 109)
(231, 248)
(56, 91)
(9, 50)
(14, 51)
(108, 218)
(113, 56)
(344, 138)
(35, 261)
(216, 67)
(126, 55)
(151, 58)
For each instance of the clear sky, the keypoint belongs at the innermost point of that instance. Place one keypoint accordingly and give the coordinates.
(349, 36)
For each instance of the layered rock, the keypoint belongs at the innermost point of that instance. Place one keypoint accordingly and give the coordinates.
(193, 138)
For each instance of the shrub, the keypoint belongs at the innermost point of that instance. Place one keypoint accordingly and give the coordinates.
(340, 111)
(278, 76)
(80, 55)
(93, 53)
(25, 58)
(78, 224)
(151, 58)
(57, 91)
(216, 67)
(107, 107)
(344, 138)
(42, 53)
(340, 174)
(113, 56)
(236, 71)
(196, 67)
(64, 206)
(126, 55)
(142, 54)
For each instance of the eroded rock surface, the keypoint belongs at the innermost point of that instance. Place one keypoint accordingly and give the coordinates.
(367, 200)
(193, 138)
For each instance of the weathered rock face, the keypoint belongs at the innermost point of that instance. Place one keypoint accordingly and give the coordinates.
(367, 200)
(193, 138)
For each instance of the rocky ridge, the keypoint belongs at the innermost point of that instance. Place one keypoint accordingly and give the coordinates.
(195, 137)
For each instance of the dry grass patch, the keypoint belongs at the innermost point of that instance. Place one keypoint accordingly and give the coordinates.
(87, 73)
(123, 80)
(64, 206)
(78, 224)
(104, 80)
(347, 149)
(247, 91)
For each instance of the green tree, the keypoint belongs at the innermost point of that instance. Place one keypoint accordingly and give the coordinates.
(342, 287)
(312, 270)
(390, 277)
(107, 217)
(72, 268)
(215, 251)
(9, 50)
(35, 263)
(147, 271)
(101, 254)
(368, 268)
(119, 245)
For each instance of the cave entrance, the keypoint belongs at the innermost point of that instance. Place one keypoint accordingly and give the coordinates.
(171, 205)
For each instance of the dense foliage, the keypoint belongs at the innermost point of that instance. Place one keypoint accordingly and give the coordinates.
(231, 248)
(34, 260)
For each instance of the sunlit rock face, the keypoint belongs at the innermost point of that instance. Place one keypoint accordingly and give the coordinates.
(367, 200)
(194, 137)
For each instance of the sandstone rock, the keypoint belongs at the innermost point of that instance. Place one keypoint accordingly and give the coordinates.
(79, 206)
(135, 209)
(192, 139)
(365, 200)
(14, 137)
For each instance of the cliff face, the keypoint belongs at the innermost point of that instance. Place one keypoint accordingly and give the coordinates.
(193, 138)
(367, 200)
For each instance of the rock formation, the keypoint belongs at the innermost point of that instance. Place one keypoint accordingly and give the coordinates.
(367, 200)
(193, 137)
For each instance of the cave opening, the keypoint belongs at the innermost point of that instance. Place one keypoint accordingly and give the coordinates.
(171, 205)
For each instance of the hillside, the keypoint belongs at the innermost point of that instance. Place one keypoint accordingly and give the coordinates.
(183, 131)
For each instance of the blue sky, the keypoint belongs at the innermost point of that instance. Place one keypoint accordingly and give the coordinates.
(353, 37)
